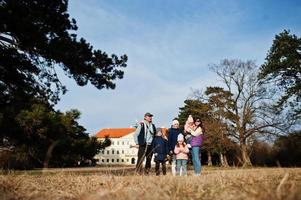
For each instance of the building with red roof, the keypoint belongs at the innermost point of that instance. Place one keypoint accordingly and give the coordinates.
(122, 150)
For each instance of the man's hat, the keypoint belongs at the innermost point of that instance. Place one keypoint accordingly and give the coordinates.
(148, 114)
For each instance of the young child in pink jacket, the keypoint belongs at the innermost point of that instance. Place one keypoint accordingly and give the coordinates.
(181, 151)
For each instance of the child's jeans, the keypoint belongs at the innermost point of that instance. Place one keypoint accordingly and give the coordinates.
(163, 163)
(181, 163)
(173, 166)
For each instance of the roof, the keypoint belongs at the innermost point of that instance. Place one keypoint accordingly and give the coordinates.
(114, 132)
(119, 132)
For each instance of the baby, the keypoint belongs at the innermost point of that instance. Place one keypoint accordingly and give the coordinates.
(189, 124)
(188, 128)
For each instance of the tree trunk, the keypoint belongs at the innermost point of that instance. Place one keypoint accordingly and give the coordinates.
(49, 154)
(209, 158)
(226, 160)
(245, 156)
(223, 160)
(221, 157)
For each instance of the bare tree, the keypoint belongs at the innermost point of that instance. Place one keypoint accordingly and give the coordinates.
(252, 113)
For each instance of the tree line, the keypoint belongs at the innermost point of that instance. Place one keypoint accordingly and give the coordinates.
(257, 108)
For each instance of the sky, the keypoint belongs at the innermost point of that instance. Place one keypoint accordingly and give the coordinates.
(170, 45)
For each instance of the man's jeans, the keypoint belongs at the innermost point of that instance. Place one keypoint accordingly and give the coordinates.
(144, 151)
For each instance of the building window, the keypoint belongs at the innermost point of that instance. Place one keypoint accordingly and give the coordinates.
(103, 160)
(112, 142)
(103, 151)
(112, 151)
(108, 152)
(112, 160)
(122, 151)
(117, 160)
(108, 160)
(118, 143)
(122, 160)
(127, 160)
(117, 152)
(122, 143)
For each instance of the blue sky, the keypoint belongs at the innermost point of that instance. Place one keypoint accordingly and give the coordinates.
(170, 44)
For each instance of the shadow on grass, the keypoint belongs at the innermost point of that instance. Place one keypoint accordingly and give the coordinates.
(115, 171)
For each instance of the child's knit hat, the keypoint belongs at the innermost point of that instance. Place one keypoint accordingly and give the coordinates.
(180, 137)
(190, 119)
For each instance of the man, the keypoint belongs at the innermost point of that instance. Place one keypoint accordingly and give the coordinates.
(143, 138)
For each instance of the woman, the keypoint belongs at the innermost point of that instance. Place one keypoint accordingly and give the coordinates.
(196, 142)
(173, 133)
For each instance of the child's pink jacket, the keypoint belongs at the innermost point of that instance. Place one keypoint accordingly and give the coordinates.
(181, 152)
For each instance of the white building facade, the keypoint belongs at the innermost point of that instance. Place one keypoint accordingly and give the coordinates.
(121, 150)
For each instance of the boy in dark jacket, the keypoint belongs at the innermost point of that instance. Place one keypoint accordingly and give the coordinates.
(160, 150)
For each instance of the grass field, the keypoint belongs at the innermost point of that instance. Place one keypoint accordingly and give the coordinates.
(122, 183)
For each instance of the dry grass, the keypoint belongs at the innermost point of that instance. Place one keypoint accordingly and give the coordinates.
(257, 183)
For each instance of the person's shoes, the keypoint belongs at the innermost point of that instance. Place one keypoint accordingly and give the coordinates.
(146, 171)
(138, 173)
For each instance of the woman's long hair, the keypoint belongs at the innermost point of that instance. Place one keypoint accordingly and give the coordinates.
(200, 125)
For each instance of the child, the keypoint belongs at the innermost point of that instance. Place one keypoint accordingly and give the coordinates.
(188, 128)
(160, 149)
(181, 151)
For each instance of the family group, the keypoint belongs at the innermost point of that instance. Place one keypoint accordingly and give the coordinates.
(177, 145)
